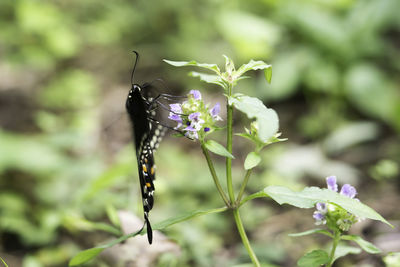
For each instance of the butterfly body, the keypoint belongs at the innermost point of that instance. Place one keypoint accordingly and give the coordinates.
(147, 135)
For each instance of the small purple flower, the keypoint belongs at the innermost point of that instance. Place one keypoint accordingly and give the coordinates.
(321, 207)
(176, 108)
(196, 94)
(319, 217)
(175, 117)
(194, 116)
(190, 129)
(215, 111)
(331, 182)
(196, 121)
(191, 132)
(206, 129)
(348, 190)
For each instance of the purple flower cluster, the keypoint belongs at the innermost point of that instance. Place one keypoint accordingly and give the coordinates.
(194, 118)
(321, 214)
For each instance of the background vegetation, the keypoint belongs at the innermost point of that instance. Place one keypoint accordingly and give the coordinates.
(66, 157)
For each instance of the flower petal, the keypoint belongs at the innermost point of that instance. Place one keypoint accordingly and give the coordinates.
(175, 117)
(176, 108)
(331, 182)
(348, 191)
(196, 94)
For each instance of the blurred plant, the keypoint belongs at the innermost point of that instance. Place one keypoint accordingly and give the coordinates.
(338, 211)
(392, 259)
(5, 264)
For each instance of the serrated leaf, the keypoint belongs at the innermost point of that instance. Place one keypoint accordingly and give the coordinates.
(267, 119)
(312, 231)
(185, 217)
(314, 258)
(218, 149)
(312, 195)
(208, 78)
(212, 67)
(252, 160)
(365, 245)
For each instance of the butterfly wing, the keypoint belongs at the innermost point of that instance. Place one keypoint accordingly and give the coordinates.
(148, 134)
(143, 131)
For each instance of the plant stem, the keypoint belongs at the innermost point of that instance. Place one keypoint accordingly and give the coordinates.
(235, 206)
(214, 175)
(229, 131)
(336, 240)
(243, 186)
(245, 240)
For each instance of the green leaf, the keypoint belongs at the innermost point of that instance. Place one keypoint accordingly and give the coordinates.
(185, 217)
(252, 65)
(85, 256)
(267, 119)
(252, 160)
(229, 65)
(312, 195)
(208, 78)
(312, 231)
(268, 74)
(314, 258)
(212, 67)
(112, 215)
(343, 250)
(392, 259)
(365, 245)
(218, 149)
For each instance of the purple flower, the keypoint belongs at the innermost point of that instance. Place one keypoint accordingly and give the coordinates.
(321, 207)
(191, 132)
(174, 114)
(346, 219)
(319, 217)
(194, 116)
(196, 94)
(176, 108)
(215, 111)
(175, 117)
(190, 129)
(331, 182)
(348, 191)
(206, 129)
(196, 121)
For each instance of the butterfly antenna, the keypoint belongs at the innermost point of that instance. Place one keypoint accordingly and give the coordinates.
(134, 66)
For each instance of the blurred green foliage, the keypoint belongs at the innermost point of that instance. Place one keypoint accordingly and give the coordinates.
(335, 86)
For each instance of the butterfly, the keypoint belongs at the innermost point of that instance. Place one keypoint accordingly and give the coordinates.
(147, 134)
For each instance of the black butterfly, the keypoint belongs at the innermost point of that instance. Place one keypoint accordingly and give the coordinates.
(147, 134)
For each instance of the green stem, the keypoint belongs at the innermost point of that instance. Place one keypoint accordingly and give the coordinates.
(214, 175)
(235, 207)
(229, 131)
(245, 240)
(243, 186)
(336, 240)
